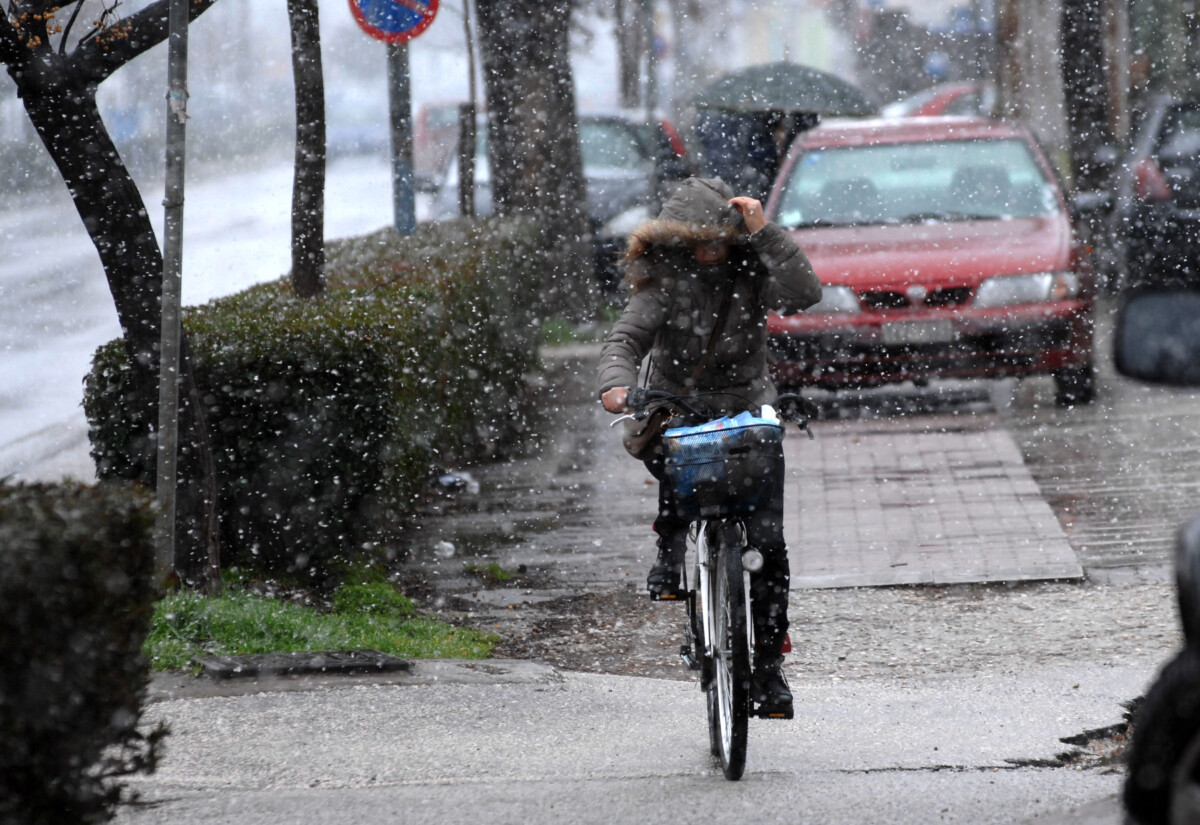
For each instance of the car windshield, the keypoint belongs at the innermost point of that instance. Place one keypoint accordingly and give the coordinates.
(607, 145)
(904, 183)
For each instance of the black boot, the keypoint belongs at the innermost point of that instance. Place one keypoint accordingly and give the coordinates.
(663, 581)
(769, 688)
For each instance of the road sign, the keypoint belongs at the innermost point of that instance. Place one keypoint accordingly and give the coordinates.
(394, 21)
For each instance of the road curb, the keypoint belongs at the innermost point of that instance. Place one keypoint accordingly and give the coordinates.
(176, 685)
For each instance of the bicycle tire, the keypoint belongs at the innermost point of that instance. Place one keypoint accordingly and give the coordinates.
(706, 668)
(1161, 757)
(729, 691)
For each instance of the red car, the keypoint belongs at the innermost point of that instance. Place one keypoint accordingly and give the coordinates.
(970, 97)
(946, 251)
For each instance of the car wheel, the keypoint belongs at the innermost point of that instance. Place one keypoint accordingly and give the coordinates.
(1075, 385)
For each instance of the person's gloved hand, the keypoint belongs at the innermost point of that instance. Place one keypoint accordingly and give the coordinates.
(752, 212)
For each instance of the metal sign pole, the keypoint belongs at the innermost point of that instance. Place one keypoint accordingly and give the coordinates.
(395, 22)
(400, 104)
(168, 374)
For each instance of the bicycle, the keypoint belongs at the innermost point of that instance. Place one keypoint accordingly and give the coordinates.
(713, 467)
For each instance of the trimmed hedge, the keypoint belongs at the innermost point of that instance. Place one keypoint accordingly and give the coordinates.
(77, 586)
(328, 416)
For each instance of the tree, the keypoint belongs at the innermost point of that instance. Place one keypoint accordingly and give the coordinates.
(533, 136)
(1085, 89)
(57, 71)
(308, 185)
(630, 29)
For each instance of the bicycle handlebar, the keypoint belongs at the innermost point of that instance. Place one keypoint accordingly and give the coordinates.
(789, 406)
(640, 399)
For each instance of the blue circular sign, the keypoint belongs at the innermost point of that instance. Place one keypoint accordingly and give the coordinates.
(394, 21)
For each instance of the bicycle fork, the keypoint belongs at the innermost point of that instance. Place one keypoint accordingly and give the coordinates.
(697, 650)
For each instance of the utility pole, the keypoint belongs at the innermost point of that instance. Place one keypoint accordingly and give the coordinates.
(168, 371)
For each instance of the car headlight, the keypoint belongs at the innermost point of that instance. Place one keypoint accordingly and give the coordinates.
(836, 299)
(1035, 288)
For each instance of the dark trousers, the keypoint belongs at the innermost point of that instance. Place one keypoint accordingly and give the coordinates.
(764, 532)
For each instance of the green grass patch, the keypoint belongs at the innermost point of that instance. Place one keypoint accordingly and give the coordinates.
(374, 615)
(492, 571)
(559, 331)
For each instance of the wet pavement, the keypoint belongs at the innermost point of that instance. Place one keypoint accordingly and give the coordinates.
(978, 481)
(996, 691)
(971, 486)
(939, 500)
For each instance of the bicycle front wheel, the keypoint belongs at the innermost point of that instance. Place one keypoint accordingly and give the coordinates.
(729, 691)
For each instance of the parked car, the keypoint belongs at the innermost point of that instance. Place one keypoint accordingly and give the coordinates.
(356, 122)
(946, 250)
(629, 162)
(435, 137)
(970, 97)
(1156, 195)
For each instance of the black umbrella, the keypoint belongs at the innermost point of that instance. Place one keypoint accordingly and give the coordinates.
(784, 87)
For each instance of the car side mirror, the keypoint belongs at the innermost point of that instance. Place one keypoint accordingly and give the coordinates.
(1157, 338)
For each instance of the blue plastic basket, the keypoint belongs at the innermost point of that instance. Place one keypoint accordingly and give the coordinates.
(720, 468)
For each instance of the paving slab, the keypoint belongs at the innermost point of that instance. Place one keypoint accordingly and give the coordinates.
(891, 504)
(929, 499)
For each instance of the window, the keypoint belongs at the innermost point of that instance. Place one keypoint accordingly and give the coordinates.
(912, 182)
(609, 145)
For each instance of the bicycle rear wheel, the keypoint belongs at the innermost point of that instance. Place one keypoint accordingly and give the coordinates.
(729, 691)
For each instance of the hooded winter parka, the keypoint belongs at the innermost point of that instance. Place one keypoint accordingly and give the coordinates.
(675, 301)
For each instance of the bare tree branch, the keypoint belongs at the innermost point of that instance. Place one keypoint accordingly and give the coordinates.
(10, 42)
(29, 23)
(66, 33)
(99, 56)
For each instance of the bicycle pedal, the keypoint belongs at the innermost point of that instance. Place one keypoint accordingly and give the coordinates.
(775, 713)
(666, 596)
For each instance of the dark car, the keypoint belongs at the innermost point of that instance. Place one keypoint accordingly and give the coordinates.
(625, 159)
(946, 251)
(1157, 194)
(628, 162)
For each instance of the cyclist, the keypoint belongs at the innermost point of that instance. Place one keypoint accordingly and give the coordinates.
(709, 251)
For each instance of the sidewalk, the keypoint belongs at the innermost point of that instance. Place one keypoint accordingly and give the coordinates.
(916, 704)
(589, 748)
(931, 501)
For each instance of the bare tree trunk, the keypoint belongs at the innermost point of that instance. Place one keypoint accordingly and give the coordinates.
(1085, 88)
(533, 138)
(308, 184)
(629, 30)
(59, 98)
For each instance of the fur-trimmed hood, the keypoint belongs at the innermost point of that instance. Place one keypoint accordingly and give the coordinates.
(699, 211)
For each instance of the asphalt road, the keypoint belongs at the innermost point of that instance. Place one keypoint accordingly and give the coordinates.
(594, 748)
